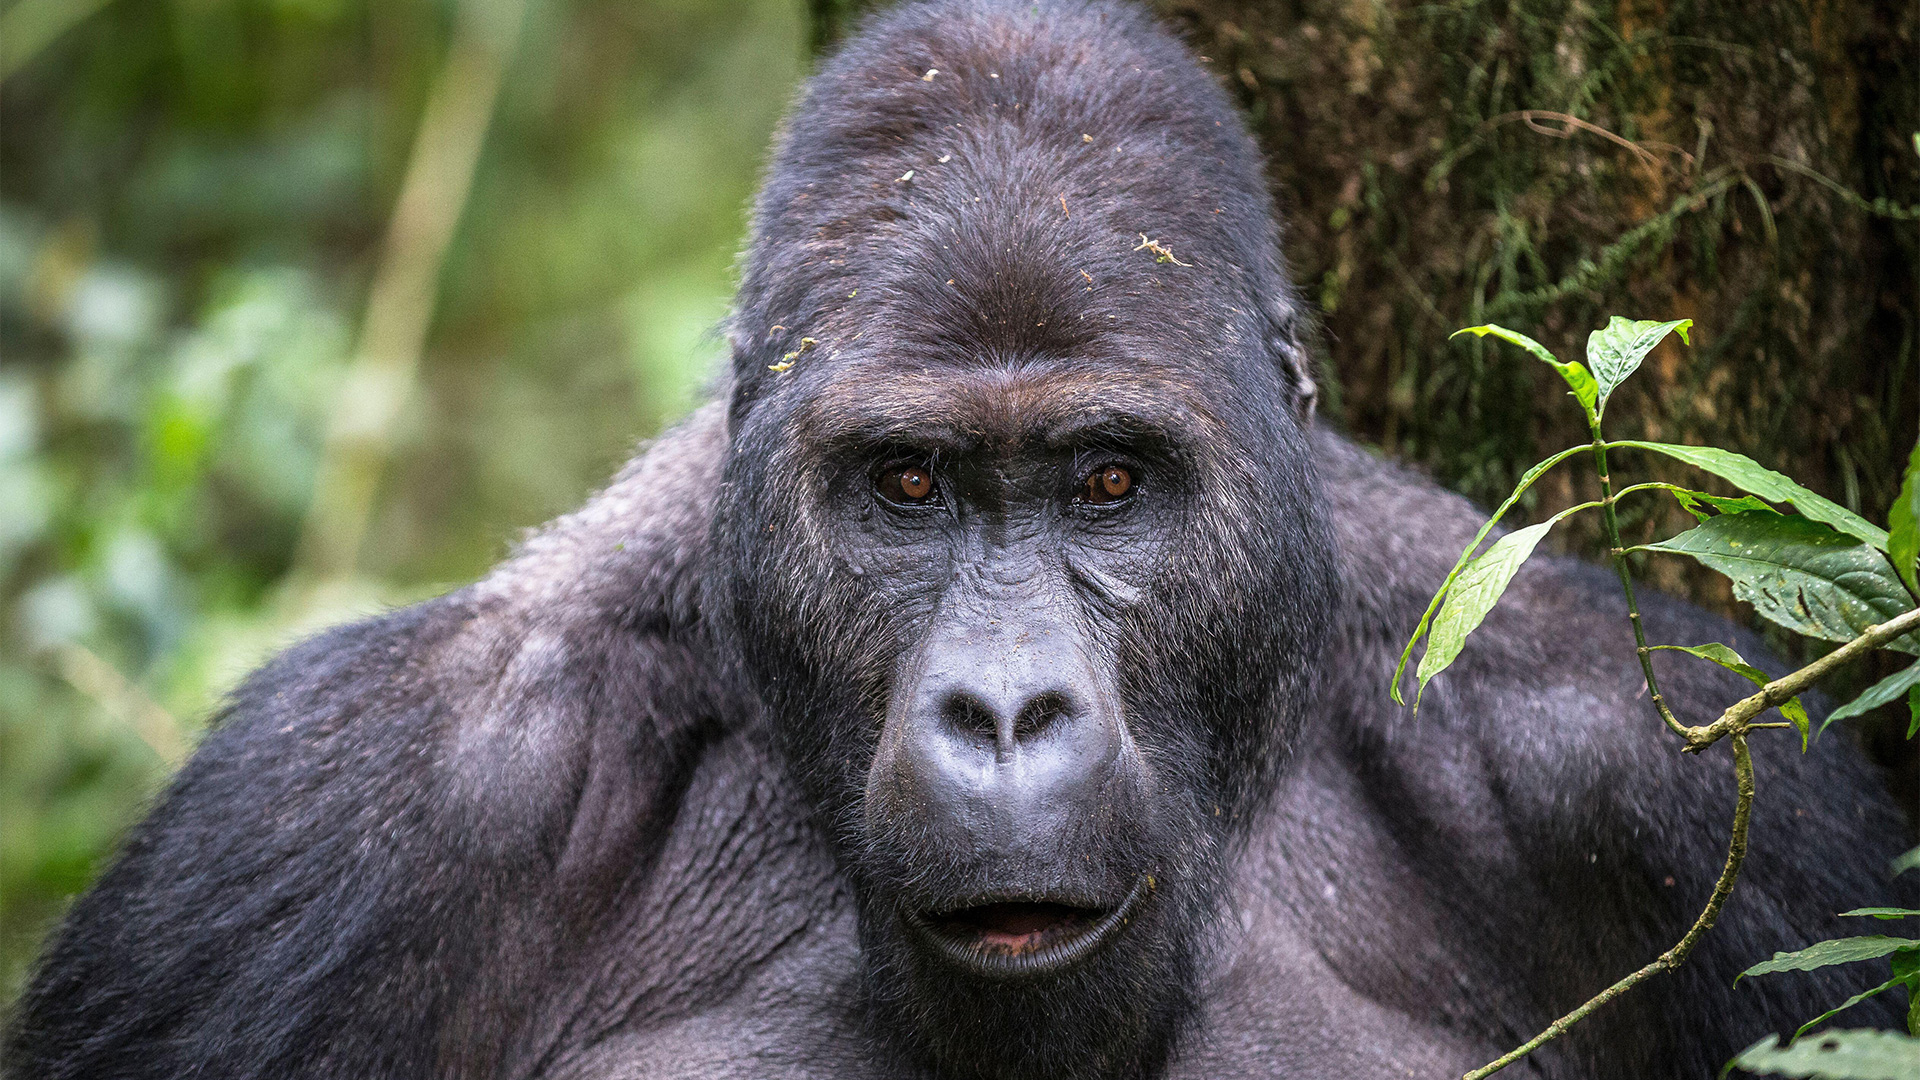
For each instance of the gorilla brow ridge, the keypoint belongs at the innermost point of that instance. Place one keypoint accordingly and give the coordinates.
(958, 411)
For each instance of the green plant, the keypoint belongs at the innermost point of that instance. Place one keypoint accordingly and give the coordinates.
(1823, 572)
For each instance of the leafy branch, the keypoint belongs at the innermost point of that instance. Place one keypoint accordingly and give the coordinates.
(1672, 958)
(1824, 572)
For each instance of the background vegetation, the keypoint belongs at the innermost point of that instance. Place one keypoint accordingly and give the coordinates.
(272, 354)
(207, 314)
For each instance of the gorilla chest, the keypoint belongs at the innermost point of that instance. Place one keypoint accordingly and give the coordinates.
(756, 972)
(1277, 1013)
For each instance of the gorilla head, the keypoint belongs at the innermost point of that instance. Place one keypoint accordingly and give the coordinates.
(1018, 413)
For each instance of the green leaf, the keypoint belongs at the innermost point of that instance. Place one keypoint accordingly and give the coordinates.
(1473, 595)
(1913, 710)
(1724, 655)
(1749, 475)
(1846, 950)
(1578, 378)
(1847, 1004)
(1697, 502)
(1426, 618)
(1884, 912)
(1906, 972)
(1799, 573)
(1886, 690)
(1905, 862)
(1903, 522)
(1615, 351)
(1862, 1054)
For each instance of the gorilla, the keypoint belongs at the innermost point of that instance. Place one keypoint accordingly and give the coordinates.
(990, 683)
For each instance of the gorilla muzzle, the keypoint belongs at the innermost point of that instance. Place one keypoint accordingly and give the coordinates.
(1006, 757)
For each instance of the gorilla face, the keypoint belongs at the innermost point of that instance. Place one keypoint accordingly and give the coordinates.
(1033, 629)
(1019, 542)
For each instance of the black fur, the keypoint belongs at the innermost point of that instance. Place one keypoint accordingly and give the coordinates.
(613, 810)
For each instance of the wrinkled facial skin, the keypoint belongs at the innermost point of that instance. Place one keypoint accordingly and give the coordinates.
(1034, 714)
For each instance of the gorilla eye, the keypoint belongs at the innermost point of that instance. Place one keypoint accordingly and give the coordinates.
(1108, 483)
(907, 485)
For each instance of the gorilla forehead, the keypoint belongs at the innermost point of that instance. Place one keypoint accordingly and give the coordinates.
(964, 408)
(980, 185)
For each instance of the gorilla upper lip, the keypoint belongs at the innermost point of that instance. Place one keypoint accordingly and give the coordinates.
(1024, 936)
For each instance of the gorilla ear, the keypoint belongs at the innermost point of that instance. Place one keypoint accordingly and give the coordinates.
(1291, 337)
(737, 385)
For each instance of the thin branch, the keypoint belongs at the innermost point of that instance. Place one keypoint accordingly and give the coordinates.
(1881, 207)
(1532, 118)
(1619, 552)
(1674, 957)
(31, 25)
(1738, 718)
(121, 698)
(406, 285)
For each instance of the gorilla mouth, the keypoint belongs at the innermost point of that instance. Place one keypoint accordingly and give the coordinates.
(1021, 937)
(1018, 928)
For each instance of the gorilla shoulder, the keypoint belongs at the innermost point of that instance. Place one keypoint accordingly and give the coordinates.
(459, 782)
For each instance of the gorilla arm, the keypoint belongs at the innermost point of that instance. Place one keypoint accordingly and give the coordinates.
(397, 830)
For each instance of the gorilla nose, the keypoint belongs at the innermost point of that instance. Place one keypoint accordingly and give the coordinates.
(1007, 735)
(1005, 722)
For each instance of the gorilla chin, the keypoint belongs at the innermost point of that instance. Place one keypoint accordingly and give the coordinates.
(1030, 989)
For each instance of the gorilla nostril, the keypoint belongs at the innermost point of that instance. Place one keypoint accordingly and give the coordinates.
(1040, 714)
(968, 715)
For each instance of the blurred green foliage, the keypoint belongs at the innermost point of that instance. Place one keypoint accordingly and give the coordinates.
(194, 199)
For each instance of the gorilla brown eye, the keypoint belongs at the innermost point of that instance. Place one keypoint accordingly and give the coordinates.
(1107, 484)
(907, 484)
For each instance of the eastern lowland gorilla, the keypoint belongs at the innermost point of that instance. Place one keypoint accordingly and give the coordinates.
(992, 683)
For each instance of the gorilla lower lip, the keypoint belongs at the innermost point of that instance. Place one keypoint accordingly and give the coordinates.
(1009, 939)
(1019, 927)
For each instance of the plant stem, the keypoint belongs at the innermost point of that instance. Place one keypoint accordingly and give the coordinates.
(122, 699)
(1674, 957)
(1619, 553)
(1738, 719)
(406, 286)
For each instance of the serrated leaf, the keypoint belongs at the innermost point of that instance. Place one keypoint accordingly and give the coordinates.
(1862, 1054)
(1615, 351)
(1697, 502)
(1903, 524)
(1478, 588)
(1799, 573)
(1473, 595)
(1433, 605)
(1724, 655)
(1884, 912)
(1846, 950)
(1585, 390)
(1749, 475)
(1889, 689)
